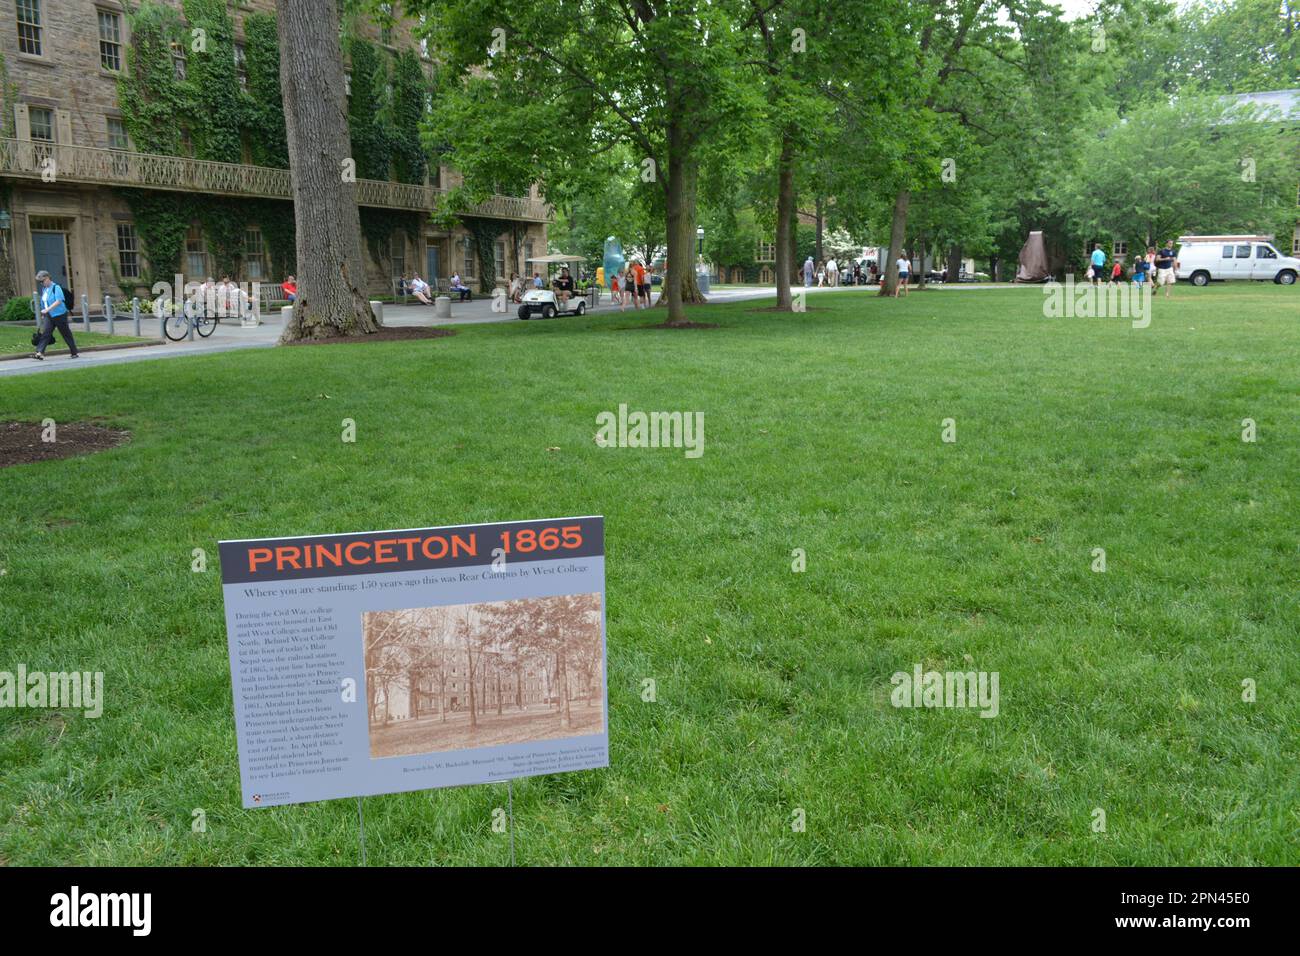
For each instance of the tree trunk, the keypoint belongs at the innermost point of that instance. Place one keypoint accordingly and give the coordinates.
(954, 262)
(331, 272)
(679, 279)
(920, 268)
(473, 711)
(821, 223)
(566, 716)
(897, 232)
(784, 214)
(794, 232)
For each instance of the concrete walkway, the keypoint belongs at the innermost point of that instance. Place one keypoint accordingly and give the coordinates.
(230, 337)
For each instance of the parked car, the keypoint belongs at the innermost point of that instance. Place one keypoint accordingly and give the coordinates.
(1203, 259)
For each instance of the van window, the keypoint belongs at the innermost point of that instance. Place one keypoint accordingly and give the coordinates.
(1243, 252)
(1264, 252)
(1227, 252)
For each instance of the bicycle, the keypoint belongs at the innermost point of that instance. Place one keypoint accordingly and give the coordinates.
(177, 325)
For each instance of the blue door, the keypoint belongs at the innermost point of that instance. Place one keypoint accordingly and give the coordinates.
(51, 253)
(431, 255)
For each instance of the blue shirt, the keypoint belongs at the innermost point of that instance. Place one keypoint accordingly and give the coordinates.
(1098, 258)
(53, 296)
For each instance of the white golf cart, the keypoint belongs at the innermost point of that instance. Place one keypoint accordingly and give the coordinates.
(545, 301)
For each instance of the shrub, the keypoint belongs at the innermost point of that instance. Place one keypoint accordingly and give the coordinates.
(17, 309)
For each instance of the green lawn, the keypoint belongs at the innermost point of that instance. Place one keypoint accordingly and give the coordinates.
(18, 339)
(1119, 690)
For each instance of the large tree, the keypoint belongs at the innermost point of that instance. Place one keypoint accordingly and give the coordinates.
(331, 272)
(556, 82)
(1194, 165)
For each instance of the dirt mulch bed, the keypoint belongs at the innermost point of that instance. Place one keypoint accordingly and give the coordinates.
(20, 442)
(394, 333)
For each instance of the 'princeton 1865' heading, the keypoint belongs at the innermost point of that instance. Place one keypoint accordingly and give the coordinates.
(280, 559)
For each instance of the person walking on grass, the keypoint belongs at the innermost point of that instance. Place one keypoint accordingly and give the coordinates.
(904, 273)
(1098, 261)
(1166, 268)
(54, 315)
(807, 272)
(1139, 271)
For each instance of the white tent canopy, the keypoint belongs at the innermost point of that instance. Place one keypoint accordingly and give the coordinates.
(557, 259)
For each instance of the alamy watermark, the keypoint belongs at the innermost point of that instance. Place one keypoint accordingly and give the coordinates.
(54, 690)
(949, 689)
(224, 299)
(651, 430)
(1106, 300)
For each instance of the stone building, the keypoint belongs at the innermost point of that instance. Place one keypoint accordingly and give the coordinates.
(433, 691)
(68, 168)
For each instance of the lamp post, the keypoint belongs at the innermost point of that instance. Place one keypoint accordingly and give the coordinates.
(699, 237)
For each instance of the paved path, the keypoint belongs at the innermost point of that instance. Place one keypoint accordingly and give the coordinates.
(229, 336)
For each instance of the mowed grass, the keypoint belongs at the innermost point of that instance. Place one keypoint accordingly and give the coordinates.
(1120, 691)
(18, 340)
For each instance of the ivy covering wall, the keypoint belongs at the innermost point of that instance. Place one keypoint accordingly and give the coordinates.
(233, 125)
(162, 220)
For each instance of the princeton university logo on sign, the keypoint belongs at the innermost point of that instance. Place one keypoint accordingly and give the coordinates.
(387, 661)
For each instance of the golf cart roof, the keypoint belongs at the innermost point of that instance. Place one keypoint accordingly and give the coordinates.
(558, 258)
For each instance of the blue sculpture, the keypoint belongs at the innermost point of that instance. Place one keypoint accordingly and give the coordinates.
(614, 260)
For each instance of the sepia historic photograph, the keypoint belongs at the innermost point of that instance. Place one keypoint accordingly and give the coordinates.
(480, 675)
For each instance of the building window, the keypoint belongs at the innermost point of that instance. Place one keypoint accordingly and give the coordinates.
(187, 142)
(29, 27)
(766, 252)
(110, 41)
(468, 246)
(128, 251)
(117, 138)
(347, 83)
(196, 254)
(178, 61)
(397, 255)
(499, 257)
(42, 121)
(1119, 248)
(386, 24)
(254, 254)
(528, 254)
(241, 66)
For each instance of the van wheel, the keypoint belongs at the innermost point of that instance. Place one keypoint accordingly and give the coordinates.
(1285, 277)
(548, 311)
(582, 307)
(524, 313)
(1200, 278)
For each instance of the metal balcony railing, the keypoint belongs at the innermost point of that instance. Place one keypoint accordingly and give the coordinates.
(56, 162)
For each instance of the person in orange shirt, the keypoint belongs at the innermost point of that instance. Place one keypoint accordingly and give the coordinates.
(641, 290)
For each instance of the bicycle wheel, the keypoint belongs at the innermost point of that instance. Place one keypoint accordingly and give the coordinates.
(206, 326)
(175, 326)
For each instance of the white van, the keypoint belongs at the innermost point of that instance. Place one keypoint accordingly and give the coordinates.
(1205, 258)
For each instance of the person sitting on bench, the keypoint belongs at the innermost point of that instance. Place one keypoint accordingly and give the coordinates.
(459, 287)
(420, 289)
